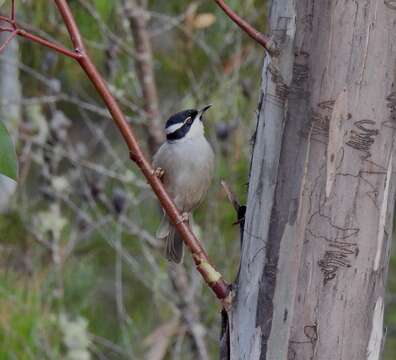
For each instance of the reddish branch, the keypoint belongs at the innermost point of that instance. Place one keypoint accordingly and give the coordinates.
(210, 275)
(265, 41)
(16, 30)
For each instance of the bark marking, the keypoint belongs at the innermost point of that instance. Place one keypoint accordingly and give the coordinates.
(391, 99)
(391, 4)
(321, 120)
(334, 259)
(338, 116)
(308, 343)
(361, 138)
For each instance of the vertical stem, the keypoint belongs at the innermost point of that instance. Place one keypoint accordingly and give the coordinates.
(71, 25)
(13, 11)
(137, 17)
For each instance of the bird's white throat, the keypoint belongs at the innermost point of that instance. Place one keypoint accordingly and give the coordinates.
(196, 130)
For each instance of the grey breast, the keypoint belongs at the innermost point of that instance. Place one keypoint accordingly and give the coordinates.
(188, 167)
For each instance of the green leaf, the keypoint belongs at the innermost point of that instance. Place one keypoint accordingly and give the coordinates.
(8, 159)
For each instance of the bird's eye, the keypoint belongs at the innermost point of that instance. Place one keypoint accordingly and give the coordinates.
(189, 120)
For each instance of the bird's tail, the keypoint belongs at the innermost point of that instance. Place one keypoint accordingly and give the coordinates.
(173, 242)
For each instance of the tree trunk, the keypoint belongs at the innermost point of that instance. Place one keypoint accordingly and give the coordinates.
(322, 186)
(10, 108)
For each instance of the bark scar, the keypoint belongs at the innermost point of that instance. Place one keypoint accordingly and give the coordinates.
(338, 116)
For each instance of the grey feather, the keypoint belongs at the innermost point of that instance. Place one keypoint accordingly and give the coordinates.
(163, 229)
(174, 246)
(173, 242)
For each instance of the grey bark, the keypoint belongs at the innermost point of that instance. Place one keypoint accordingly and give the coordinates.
(322, 186)
(10, 108)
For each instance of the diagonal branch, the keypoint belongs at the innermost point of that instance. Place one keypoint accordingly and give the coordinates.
(16, 30)
(259, 37)
(48, 44)
(210, 275)
(6, 19)
(8, 40)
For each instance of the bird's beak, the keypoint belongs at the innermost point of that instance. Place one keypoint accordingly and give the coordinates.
(204, 109)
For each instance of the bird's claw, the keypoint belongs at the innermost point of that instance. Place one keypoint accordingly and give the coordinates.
(159, 172)
(183, 218)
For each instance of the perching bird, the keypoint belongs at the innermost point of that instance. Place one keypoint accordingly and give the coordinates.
(186, 162)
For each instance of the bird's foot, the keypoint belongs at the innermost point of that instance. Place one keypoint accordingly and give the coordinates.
(159, 173)
(184, 218)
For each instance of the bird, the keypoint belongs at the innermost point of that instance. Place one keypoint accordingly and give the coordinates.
(185, 164)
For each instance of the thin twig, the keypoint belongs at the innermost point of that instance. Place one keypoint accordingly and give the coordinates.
(8, 40)
(259, 37)
(13, 11)
(6, 19)
(145, 71)
(230, 195)
(189, 310)
(16, 30)
(2, 29)
(44, 42)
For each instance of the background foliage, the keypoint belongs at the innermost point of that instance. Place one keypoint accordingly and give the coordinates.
(82, 275)
(8, 160)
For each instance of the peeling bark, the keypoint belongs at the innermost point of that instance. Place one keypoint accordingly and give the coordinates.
(322, 186)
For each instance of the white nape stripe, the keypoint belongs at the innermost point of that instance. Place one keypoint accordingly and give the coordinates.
(173, 128)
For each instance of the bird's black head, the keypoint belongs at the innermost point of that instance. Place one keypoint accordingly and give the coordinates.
(180, 124)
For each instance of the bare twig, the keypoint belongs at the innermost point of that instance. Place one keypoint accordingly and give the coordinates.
(259, 37)
(17, 30)
(189, 310)
(2, 29)
(6, 19)
(8, 40)
(46, 43)
(13, 11)
(210, 275)
(144, 67)
(230, 195)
